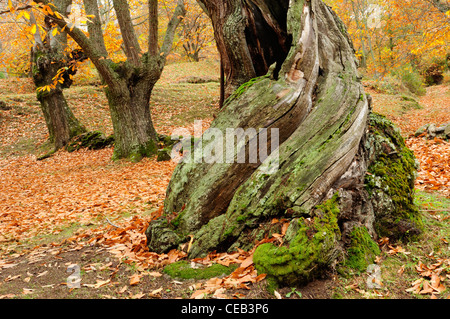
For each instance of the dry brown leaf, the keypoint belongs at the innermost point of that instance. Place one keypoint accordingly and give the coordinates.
(155, 274)
(135, 279)
(352, 286)
(138, 296)
(123, 289)
(9, 278)
(101, 283)
(199, 294)
(27, 291)
(277, 294)
(247, 262)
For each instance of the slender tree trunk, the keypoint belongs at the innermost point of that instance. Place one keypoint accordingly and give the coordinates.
(309, 181)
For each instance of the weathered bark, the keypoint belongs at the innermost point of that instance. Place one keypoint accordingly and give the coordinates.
(316, 178)
(128, 99)
(250, 37)
(48, 57)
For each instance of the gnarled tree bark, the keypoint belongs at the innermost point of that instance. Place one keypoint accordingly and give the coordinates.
(316, 179)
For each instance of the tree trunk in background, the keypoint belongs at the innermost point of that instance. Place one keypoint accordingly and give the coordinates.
(48, 57)
(128, 99)
(129, 83)
(62, 125)
(340, 176)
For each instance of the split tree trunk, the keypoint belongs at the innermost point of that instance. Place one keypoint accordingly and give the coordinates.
(315, 181)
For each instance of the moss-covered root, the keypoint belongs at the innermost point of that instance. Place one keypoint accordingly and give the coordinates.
(314, 247)
(184, 270)
(91, 140)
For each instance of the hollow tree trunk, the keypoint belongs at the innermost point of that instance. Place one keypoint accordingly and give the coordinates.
(323, 141)
(250, 37)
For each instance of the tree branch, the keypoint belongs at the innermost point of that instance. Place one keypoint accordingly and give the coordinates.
(440, 5)
(177, 16)
(103, 65)
(153, 27)
(16, 9)
(95, 26)
(130, 41)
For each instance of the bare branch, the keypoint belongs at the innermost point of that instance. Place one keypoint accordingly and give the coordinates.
(153, 27)
(130, 41)
(103, 65)
(95, 26)
(177, 16)
(16, 9)
(442, 6)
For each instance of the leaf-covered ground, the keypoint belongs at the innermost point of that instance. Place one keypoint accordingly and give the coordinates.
(83, 209)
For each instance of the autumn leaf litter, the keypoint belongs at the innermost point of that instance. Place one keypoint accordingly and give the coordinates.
(92, 194)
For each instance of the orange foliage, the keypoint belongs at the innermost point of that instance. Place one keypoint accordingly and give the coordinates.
(389, 34)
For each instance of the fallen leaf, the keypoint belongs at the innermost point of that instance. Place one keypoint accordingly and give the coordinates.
(155, 293)
(220, 294)
(9, 278)
(27, 291)
(199, 294)
(135, 279)
(101, 283)
(247, 262)
(352, 286)
(155, 274)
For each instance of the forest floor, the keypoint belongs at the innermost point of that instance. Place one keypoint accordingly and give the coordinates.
(80, 215)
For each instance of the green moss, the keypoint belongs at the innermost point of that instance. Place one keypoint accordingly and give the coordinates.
(91, 140)
(362, 249)
(309, 252)
(392, 175)
(137, 152)
(183, 270)
(244, 87)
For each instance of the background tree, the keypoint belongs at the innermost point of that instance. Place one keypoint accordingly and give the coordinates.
(397, 38)
(128, 83)
(53, 64)
(196, 31)
(309, 89)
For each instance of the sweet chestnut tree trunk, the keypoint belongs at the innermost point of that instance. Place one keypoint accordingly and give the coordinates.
(52, 67)
(128, 84)
(335, 178)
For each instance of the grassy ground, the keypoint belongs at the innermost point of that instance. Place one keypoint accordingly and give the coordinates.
(82, 209)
